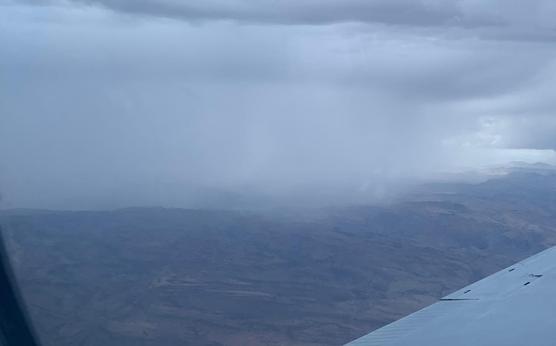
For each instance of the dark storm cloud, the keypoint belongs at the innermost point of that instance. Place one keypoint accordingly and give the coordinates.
(491, 19)
(106, 109)
(407, 12)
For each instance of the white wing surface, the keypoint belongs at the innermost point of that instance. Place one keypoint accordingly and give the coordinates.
(515, 306)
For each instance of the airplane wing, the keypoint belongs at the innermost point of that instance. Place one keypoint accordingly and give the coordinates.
(515, 306)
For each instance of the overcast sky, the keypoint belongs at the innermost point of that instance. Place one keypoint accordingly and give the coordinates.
(114, 103)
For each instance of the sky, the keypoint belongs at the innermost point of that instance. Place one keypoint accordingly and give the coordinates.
(200, 103)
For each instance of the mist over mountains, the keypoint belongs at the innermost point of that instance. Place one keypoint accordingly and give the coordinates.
(313, 276)
(218, 103)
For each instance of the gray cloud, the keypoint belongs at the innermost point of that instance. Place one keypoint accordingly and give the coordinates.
(490, 19)
(423, 12)
(106, 110)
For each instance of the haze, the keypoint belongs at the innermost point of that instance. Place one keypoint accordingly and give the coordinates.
(109, 104)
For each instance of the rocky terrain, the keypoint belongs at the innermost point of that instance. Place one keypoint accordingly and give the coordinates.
(154, 276)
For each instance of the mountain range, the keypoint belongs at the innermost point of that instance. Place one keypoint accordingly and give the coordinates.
(314, 276)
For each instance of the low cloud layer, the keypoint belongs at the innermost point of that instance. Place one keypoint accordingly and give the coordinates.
(502, 19)
(117, 103)
(295, 12)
